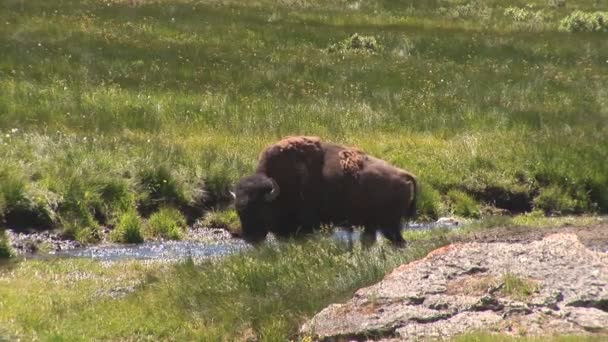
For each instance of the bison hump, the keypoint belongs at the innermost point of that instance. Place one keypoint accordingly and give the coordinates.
(298, 143)
(352, 161)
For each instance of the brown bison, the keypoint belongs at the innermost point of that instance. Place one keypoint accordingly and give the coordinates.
(303, 182)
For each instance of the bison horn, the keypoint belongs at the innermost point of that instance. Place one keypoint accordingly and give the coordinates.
(269, 197)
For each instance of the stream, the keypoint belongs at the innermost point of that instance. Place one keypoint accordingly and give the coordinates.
(209, 248)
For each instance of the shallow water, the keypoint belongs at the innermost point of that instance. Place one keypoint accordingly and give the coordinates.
(165, 250)
(179, 250)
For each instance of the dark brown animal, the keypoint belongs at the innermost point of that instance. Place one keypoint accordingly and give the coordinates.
(303, 182)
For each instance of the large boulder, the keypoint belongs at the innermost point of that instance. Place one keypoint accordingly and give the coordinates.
(555, 285)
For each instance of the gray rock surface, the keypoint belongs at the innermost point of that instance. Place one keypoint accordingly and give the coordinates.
(462, 287)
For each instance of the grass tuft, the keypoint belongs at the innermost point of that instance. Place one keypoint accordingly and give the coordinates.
(429, 204)
(167, 223)
(160, 187)
(128, 229)
(5, 248)
(462, 204)
(517, 287)
(226, 219)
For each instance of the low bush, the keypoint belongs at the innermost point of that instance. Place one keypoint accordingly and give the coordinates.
(462, 204)
(167, 223)
(580, 21)
(128, 229)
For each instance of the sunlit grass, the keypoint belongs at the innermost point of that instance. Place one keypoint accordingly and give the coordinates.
(485, 99)
(266, 293)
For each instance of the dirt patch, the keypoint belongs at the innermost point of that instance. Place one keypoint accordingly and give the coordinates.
(594, 237)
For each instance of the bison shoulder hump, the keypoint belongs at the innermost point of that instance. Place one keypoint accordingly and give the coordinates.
(302, 144)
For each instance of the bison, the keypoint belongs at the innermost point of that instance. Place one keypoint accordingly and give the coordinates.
(303, 182)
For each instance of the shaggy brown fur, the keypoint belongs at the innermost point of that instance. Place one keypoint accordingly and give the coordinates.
(302, 143)
(321, 182)
(351, 161)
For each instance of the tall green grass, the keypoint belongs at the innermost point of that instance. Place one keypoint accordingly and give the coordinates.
(102, 101)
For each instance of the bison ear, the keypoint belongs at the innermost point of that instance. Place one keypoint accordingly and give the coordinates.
(269, 197)
(233, 195)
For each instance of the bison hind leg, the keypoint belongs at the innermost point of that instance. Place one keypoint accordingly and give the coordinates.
(368, 237)
(393, 234)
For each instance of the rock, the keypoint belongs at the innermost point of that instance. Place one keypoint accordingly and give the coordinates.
(448, 221)
(461, 287)
(35, 242)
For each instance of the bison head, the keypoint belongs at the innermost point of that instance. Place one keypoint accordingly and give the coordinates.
(254, 204)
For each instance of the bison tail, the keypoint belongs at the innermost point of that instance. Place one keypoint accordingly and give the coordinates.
(414, 203)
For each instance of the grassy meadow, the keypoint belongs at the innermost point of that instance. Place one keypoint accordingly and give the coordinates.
(116, 110)
(111, 106)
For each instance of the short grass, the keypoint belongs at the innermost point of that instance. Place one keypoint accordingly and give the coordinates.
(264, 294)
(109, 105)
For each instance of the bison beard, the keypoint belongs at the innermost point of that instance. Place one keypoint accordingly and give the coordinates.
(303, 182)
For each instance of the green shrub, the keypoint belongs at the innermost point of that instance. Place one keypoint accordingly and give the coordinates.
(428, 203)
(555, 200)
(462, 204)
(5, 248)
(356, 43)
(226, 219)
(167, 223)
(128, 229)
(579, 21)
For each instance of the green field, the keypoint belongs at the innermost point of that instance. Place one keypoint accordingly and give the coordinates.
(111, 105)
(114, 110)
